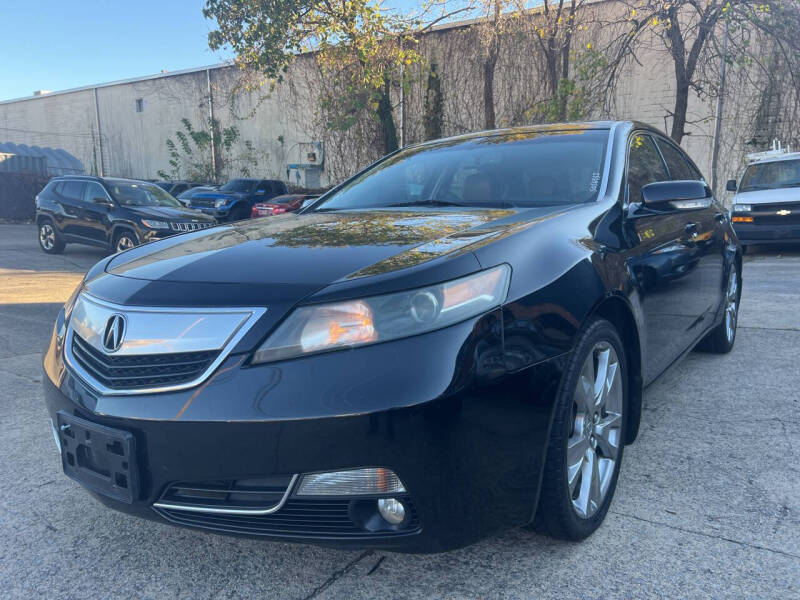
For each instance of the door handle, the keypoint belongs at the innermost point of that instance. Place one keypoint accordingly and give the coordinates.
(691, 229)
(719, 217)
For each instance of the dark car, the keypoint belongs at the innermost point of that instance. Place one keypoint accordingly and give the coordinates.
(186, 197)
(280, 204)
(117, 214)
(234, 200)
(176, 188)
(453, 342)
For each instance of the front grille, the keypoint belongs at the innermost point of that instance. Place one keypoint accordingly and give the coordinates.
(237, 494)
(202, 203)
(141, 371)
(189, 226)
(309, 519)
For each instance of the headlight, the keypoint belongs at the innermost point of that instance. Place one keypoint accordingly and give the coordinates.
(742, 208)
(220, 203)
(155, 224)
(311, 329)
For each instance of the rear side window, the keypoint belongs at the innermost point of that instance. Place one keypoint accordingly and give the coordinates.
(51, 187)
(644, 166)
(678, 166)
(73, 190)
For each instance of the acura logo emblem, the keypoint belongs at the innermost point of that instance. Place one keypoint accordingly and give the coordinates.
(115, 331)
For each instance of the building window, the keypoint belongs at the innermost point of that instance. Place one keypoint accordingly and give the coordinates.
(140, 105)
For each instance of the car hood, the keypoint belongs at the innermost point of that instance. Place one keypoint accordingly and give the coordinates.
(316, 249)
(169, 213)
(768, 196)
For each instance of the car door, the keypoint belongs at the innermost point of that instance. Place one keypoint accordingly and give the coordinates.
(71, 201)
(659, 260)
(705, 237)
(97, 211)
(264, 191)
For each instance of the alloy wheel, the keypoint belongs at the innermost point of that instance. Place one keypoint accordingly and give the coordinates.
(124, 243)
(594, 441)
(47, 237)
(732, 304)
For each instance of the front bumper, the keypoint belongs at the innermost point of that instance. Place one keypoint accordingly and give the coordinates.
(468, 445)
(770, 232)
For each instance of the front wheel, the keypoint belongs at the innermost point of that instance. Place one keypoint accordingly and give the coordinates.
(124, 240)
(48, 238)
(586, 443)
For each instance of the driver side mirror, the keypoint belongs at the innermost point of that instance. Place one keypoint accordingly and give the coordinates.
(260, 192)
(676, 195)
(101, 201)
(731, 185)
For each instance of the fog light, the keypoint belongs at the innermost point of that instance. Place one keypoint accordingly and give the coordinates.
(351, 483)
(392, 510)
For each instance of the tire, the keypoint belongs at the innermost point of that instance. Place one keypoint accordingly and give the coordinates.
(721, 339)
(49, 241)
(744, 249)
(124, 239)
(239, 213)
(574, 499)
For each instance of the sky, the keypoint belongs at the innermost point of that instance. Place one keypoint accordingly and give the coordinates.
(61, 44)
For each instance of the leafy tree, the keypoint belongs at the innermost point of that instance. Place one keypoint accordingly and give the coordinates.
(191, 156)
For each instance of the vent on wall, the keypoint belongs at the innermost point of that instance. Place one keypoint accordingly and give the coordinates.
(140, 105)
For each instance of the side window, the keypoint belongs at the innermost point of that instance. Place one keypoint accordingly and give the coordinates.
(93, 190)
(181, 187)
(678, 166)
(73, 190)
(644, 166)
(264, 188)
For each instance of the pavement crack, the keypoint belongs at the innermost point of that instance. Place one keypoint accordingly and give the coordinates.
(376, 565)
(336, 575)
(708, 535)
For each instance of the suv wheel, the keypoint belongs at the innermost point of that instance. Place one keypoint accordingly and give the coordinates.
(124, 240)
(586, 443)
(48, 238)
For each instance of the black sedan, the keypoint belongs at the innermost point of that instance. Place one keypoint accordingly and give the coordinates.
(453, 342)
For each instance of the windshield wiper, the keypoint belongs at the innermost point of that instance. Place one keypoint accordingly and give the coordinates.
(430, 202)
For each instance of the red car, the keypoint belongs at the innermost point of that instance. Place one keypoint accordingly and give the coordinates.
(280, 204)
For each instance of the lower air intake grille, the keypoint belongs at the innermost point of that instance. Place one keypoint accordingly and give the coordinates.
(309, 519)
(142, 371)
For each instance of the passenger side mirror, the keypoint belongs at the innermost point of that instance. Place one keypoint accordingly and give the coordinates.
(676, 195)
(731, 185)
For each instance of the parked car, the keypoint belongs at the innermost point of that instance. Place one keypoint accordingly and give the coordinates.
(112, 213)
(453, 342)
(186, 197)
(234, 200)
(175, 188)
(766, 207)
(280, 204)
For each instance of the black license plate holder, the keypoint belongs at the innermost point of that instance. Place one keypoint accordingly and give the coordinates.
(100, 458)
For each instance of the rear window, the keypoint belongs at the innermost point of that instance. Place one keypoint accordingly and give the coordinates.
(771, 175)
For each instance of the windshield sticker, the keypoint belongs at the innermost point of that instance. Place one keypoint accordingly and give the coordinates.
(595, 181)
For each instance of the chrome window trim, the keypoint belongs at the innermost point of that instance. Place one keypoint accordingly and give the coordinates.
(232, 511)
(255, 313)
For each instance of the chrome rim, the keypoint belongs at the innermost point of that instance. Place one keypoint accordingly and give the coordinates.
(124, 243)
(732, 304)
(47, 237)
(593, 444)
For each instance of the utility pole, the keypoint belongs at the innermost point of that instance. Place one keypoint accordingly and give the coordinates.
(99, 133)
(720, 100)
(211, 123)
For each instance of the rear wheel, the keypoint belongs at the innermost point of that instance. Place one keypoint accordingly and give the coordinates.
(585, 449)
(48, 238)
(124, 240)
(720, 340)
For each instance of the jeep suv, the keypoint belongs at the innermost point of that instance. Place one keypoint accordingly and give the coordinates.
(110, 213)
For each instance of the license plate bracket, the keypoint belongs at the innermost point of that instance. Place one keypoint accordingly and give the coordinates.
(100, 458)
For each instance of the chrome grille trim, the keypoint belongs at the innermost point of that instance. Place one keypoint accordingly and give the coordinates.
(227, 341)
(187, 226)
(231, 511)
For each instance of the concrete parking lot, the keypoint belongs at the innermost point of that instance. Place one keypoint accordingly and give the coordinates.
(708, 503)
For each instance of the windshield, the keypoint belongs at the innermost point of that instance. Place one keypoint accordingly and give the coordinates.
(188, 194)
(510, 169)
(164, 185)
(771, 175)
(141, 194)
(238, 185)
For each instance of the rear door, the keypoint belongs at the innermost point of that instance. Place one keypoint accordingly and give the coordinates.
(71, 200)
(659, 261)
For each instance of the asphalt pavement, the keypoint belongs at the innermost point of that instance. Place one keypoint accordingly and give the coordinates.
(708, 502)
